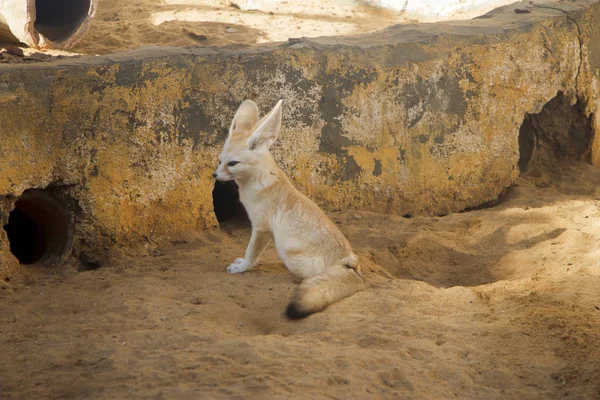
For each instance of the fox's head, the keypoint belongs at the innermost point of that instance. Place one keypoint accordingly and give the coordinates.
(246, 149)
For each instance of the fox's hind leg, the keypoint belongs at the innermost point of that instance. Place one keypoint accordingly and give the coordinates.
(258, 243)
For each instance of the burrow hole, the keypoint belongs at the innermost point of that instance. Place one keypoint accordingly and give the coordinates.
(228, 208)
(38, 228)
(559, 132)
(59, 19)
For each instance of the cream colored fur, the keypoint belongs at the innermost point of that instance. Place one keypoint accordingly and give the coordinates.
(307, 242)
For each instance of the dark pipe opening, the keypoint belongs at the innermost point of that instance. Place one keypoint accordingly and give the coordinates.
(57, 20)
(227, 205)
(38, 228)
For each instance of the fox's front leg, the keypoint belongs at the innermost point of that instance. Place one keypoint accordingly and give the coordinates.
(258, 243)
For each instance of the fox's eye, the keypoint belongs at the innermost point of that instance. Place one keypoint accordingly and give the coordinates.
(219, 162)
(232, 163)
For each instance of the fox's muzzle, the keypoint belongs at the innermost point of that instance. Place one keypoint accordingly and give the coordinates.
(222, 177)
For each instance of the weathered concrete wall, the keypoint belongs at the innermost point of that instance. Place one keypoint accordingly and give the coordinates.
(416, 119)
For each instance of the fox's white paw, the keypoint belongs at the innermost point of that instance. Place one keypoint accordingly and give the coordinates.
(239, 265)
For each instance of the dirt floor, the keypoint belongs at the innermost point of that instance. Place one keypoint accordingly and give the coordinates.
(126, 25)
(495, 303)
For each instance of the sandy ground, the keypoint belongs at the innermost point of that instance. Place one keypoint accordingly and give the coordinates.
(490, 304)
(123, 25)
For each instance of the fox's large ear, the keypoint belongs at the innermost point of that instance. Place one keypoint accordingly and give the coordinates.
(267, 130)
(245, 118)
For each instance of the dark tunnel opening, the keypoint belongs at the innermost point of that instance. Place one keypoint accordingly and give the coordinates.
(57, 20)
(559, 132)
(227, 206)
(38, 228)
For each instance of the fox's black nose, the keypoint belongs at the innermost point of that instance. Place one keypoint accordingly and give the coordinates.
(214, 174)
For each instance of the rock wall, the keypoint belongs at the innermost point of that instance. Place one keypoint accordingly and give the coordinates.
(417, 119)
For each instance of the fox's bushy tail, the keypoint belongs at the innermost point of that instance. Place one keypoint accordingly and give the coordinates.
(317, 293)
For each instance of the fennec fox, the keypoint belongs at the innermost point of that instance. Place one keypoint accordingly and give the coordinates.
(307, 242)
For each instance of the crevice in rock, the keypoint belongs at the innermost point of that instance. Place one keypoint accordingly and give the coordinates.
(580, 46)
(579, 37)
